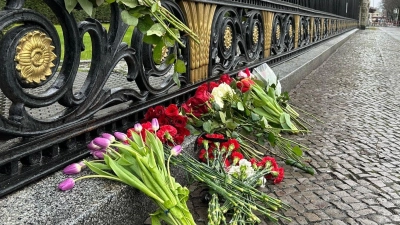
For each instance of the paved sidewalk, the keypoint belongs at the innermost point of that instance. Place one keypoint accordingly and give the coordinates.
(356, 152)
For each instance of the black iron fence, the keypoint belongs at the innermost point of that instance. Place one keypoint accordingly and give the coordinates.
(50, 109)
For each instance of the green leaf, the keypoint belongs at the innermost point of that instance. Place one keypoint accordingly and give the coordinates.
(99, 168)
(154, 7)
(207, 126)
(175, 77)
(168, 40)
(99, 2)
(151, 39)
(128, 18)
(247, 128)
(255, 117)
(87, 6)
(180, 66)
(170, 59)
(192, 129)
(235, 134)
(222, 115)
(156, 29)
(272, 139)
(297, 150)
(157, 52)
(230, 124)
(145, 24)
(70, 5)
(155, 220)
(240, 106)
(130, 3)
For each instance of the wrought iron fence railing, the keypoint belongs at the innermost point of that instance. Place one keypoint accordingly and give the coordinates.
(50, 110)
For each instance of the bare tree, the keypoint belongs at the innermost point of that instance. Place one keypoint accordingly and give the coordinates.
(389, 6)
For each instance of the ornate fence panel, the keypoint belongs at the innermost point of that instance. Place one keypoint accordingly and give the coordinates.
(50, 110)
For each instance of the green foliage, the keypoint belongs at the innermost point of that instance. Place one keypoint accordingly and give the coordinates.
(101, 13)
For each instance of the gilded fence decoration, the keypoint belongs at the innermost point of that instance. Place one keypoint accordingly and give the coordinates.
(199, 16)
(268, 20)
(297, 30)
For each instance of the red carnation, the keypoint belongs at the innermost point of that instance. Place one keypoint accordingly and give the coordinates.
(280, 176)
(202, 155)
(245, 84)
(271, 160)
(172, 110)
(159, 111)
(166, 132)
(236, 157)
(225, 78)
(227, 163)
(253, 162)
(233, 144)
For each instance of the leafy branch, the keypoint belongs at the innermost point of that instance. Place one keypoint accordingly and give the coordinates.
(160, 27)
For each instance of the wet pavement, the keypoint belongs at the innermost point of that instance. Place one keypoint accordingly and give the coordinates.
(355, 152)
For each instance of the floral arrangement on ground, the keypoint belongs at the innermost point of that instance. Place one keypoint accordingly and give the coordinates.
(238, 121)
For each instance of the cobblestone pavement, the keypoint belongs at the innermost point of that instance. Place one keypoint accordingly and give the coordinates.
(356, 152)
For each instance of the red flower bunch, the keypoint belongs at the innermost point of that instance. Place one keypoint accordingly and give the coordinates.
(277, 173)
(245, 84)
(199, 104)
(225, 78)
(217, 144)
(172, 125)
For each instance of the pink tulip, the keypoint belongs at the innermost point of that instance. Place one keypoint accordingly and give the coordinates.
(176, 150)
(121, 136)
(67, 184)
(102, 142)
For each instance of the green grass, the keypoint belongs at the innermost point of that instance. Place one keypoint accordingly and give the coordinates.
(87, 54)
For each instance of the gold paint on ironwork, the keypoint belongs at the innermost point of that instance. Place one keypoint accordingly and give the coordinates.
(322, 28)
(199, 17)
(256, 33)
(298, 30)
(268, 19)
(311, 31)
(34, 57)
(278, 32)
(228, 37)
(164, 52)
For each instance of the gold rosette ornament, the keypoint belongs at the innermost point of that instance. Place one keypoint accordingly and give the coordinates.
(35, 57)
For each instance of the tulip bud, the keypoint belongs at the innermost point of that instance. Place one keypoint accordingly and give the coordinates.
(102, 142)
(154, 124)
(176, 150)
(67, 184)
(98, 154)
(108, 136)
(242, 75)
(138, 127)
(121, 136)
(74, 168)
(93, 147)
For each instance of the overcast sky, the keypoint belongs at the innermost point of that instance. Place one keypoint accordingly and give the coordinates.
(375, 3)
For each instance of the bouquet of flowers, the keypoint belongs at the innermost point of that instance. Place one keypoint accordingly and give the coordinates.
(233, 181)
(246, 107)
(139, 161)
(172, 125)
